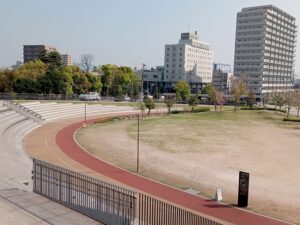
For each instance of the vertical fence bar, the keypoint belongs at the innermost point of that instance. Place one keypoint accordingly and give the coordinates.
(107, 203)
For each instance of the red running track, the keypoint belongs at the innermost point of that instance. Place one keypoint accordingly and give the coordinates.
(67, 144)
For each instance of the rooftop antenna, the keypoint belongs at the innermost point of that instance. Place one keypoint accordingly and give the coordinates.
(189, 26)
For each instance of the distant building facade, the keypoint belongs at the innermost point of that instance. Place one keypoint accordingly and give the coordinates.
(189, 60)
(66, 59)
(221, 77)
(17, 65)
(265, 48)
(33, 52)
(153, 80)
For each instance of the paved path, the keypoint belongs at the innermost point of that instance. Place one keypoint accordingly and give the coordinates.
(27, 208)
(67, 144)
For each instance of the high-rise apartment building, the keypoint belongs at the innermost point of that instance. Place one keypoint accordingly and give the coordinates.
(66, 59)
(32, 52)
(189, 60)
(265, 48)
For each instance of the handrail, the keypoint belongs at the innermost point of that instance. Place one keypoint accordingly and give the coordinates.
(23, 110)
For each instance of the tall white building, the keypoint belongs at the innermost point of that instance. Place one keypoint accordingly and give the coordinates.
(265, 48)
(189, 60)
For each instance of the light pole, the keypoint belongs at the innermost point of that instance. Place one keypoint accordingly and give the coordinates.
(138, 145)
(85, 111)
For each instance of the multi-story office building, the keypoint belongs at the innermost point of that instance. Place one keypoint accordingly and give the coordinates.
(32, 52)
(153, 80)
(189, 60)
(265, 48)
(221, 77)
(66, 59)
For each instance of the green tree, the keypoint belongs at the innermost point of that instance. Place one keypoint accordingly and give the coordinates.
(142, 107)
(32, 69)
(207, 89)
(182, 89)
(80, 83)
(193, 101)
(107, 74)
(53, 60)
(7, 80)
(150, 104)
(169, 102)
(95, 81)
(26, 85)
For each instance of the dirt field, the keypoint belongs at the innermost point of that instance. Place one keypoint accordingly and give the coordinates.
(206, 151)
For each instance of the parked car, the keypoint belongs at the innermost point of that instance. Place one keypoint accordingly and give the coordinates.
(92, 96)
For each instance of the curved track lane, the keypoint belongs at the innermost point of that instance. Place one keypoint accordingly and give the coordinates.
(65, 140)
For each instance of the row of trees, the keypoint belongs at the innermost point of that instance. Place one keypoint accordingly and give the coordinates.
(48, 76)
(288, 99)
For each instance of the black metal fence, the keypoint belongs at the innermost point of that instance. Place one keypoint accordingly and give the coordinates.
(107, 203)
(101, 201)
(156, 212)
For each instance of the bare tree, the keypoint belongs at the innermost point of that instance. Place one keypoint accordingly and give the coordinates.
(87, 61)
(278, 100)
(297, 101)
(238, 88)
(290, 99)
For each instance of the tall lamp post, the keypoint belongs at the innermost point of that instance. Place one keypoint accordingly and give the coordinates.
(138, 145)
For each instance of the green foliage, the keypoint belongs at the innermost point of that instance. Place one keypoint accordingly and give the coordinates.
(53, 60)
(292, 120)
(193, 101)
(142, 107)
(120, 81)
(201, 109)
(183, 90)
(169, 102)
(150, 104)
(196, 110)
(26, 85)
(208, 89)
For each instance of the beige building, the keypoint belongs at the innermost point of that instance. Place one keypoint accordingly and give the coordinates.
(265, 48)
(189, 60)
(222, 77)
(66, 59)
(32, 52)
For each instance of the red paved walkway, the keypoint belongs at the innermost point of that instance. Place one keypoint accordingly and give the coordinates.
(66, 142)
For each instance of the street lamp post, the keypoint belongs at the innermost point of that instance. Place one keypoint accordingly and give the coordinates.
(85, 111)
(138, 145)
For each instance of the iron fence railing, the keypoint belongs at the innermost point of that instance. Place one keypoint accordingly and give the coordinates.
(107, 203)
(153, 211)
(98, 200)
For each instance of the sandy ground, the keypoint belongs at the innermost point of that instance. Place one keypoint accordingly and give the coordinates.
(269, 152)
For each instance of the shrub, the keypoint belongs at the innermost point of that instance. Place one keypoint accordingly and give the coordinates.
(201, 109)
(292, 120)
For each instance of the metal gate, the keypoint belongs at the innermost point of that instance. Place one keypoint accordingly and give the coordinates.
(101, 201)
(156, 212)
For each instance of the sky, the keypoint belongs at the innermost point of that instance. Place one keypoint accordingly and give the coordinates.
(123, 32)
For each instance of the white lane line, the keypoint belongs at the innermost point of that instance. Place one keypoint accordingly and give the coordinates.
(68, 164)
(46, 142)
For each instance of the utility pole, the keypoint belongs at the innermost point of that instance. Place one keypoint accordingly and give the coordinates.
(138, 145)
(143, 69)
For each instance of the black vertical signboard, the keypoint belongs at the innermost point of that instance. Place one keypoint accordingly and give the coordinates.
(243, 189)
